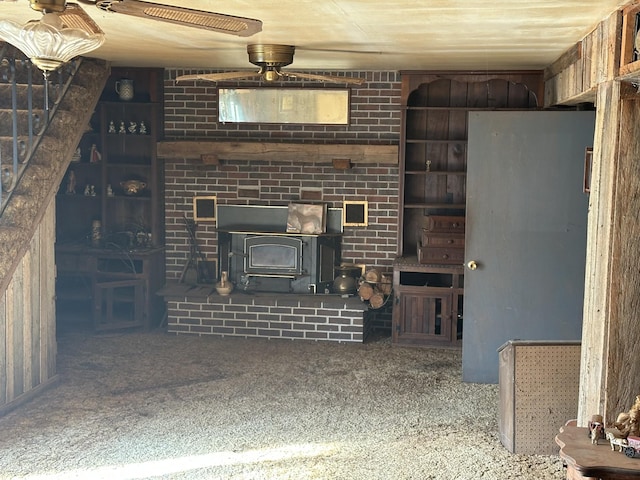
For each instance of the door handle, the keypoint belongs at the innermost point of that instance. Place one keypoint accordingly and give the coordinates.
(472, 265)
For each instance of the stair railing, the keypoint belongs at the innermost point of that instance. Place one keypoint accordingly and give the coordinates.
(17, 152)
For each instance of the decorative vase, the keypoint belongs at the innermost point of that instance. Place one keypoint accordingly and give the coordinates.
(124, 89)
(224, 286)
(346, 283)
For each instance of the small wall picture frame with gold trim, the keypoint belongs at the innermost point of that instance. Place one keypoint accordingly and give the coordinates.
(204, 208)
(355, 213)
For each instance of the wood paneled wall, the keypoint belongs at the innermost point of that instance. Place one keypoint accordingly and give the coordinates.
(27, 320)
(610, 374)
(575, 76)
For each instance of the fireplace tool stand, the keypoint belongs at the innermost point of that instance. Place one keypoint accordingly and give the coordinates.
(196, 269)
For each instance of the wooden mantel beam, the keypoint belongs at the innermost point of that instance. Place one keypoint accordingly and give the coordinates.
(211, 152)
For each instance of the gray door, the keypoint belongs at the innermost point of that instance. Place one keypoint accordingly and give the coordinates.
(526, 230)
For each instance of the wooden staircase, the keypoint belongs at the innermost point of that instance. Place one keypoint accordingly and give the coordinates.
(42, 176)
(27, 226)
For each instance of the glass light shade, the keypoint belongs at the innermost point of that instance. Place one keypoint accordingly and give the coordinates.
(47, 42)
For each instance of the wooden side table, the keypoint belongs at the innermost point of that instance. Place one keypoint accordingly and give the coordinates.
(593, 462)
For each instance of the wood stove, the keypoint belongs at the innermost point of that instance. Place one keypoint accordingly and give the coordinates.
(260, 256)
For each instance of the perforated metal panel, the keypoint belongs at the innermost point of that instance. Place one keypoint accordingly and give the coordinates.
(539, 384)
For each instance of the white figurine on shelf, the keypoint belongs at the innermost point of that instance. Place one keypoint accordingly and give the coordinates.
(109, 191)
(95, 155)
(112, 127)
(122, 128)
(143, 128)
(77, 155)
(132, 127)
(87, 190)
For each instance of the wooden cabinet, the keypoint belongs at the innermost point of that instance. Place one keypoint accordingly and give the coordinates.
(433, 165)
(427, 306)
(110, 218)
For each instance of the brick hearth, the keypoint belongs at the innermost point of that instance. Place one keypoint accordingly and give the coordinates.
(201, 311)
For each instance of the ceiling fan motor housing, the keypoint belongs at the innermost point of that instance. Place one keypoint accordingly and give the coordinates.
(271, 55)
(48, 5)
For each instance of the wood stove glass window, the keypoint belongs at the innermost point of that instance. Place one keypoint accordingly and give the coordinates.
(273, 255)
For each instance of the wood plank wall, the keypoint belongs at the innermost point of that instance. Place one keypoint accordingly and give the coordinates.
(610, 376)
(575, 76)
(27, 320)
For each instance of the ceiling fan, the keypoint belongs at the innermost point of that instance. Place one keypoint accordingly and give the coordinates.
(270, 59)
(217, 22)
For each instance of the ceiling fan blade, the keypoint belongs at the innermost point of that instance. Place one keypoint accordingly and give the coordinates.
(217, 22)
(323, 78)
(217, 77)
(75, 17)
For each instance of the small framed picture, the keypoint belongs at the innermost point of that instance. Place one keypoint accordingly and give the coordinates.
(204, 209)
(355, 213)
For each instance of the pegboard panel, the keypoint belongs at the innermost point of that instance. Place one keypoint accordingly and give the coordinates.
(546, 395)
(540, 393)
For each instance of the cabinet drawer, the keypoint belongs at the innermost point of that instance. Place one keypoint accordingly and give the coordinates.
(440, 255)
(448, 240)
(444, 224)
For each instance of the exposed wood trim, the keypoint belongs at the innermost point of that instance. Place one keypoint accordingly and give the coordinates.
(568, 58)
(570, 82)
(213, 152)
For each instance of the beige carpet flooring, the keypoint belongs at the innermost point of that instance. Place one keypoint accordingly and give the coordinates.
(158, 406)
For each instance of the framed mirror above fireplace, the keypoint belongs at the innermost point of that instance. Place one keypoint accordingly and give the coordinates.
(323, 106)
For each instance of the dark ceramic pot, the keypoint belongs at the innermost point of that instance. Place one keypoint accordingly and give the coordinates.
(346, 281)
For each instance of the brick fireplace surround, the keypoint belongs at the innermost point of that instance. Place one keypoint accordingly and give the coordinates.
(190, 114)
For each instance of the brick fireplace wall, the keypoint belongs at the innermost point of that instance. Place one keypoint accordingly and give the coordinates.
(191, 113)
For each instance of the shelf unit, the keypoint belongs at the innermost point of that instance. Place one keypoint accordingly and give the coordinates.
(428, 274)
(110, 240)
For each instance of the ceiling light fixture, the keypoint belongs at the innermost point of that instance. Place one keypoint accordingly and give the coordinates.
(54, 40)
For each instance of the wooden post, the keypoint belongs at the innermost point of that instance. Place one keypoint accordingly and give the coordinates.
(623, 369)
(599, 232)
(610, 374)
